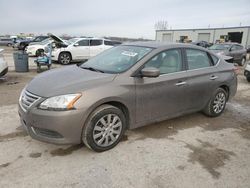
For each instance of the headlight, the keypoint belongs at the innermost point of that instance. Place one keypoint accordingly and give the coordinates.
(62, 102)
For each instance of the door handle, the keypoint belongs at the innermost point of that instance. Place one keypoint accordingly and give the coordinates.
(213, 77)
(181, 83)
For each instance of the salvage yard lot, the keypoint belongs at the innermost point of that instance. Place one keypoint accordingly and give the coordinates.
(191, 151)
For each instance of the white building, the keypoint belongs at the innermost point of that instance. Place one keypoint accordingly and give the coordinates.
(233, 34)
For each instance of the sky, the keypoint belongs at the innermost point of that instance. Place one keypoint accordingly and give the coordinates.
(126, 18)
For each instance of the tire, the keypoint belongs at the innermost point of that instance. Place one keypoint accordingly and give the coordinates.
(38, 52)
(22, 46)
(243, 61)
(248, 79)
(64, 58)
(212, 109)
(9, 44)
(96, 134)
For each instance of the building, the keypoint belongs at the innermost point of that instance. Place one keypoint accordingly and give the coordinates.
(212, 35)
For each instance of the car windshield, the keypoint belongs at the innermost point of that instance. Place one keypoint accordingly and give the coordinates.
(46, 41)
(220, 47)
(117, 59)
(71, 41)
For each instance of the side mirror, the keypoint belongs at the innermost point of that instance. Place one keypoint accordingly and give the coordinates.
(150, 72)
(76, 44)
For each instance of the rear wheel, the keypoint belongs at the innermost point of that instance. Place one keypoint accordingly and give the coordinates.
(104, 128)
(217, 103)
(64, 58)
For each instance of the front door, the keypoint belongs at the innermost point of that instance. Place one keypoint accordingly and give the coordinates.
(81, 50)
(164, 96)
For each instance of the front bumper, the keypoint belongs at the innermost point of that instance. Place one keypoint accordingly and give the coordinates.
(57, 127)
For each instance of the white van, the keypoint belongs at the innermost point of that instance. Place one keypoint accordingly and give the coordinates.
(3, 64)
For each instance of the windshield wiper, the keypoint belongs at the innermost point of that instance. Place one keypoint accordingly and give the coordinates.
(92, 69)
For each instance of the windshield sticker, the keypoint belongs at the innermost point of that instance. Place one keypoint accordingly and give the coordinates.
(130, 54)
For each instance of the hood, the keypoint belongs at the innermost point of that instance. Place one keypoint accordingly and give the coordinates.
(71, 79)
(57, 39)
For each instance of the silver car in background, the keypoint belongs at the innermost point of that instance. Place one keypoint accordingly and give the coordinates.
(235, 50)
(125, 87)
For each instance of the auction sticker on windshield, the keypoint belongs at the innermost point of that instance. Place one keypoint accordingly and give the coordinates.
(130, 54)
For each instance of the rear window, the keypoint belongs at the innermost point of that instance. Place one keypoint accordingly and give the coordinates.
(197, 59)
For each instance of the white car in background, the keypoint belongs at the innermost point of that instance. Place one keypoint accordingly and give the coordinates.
(3, 64)
(36, 49)
(78, 49)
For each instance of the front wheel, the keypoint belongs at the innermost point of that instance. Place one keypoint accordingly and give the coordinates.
(104, 128)
(242, 62)
(217, 103)
(64, 58)
(39, 52)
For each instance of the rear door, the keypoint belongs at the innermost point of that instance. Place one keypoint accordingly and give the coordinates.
(96, 47)
(164, 96)
(202, 78)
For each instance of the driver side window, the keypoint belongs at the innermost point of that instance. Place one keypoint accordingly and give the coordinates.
(83, 43)
(169, 61)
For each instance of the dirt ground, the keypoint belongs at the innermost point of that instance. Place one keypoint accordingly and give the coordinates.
(190, 151)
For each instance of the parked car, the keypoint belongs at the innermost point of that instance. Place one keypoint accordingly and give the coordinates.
(37, 48)
(247, 72)
(21, 45)
(128, 86)
(6, 41)
(203, 44)
(235, 50)
(78, 49)
(3, 64)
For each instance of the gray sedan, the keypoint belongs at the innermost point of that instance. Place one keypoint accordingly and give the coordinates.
(126, 87)
(235, 50)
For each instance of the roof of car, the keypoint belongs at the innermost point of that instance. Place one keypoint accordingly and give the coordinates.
(230, 43)
(157, 44)
(96, 38)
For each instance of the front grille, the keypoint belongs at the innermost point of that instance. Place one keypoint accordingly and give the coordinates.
(27, 100)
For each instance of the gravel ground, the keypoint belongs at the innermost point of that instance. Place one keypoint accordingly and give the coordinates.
(190, 151)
